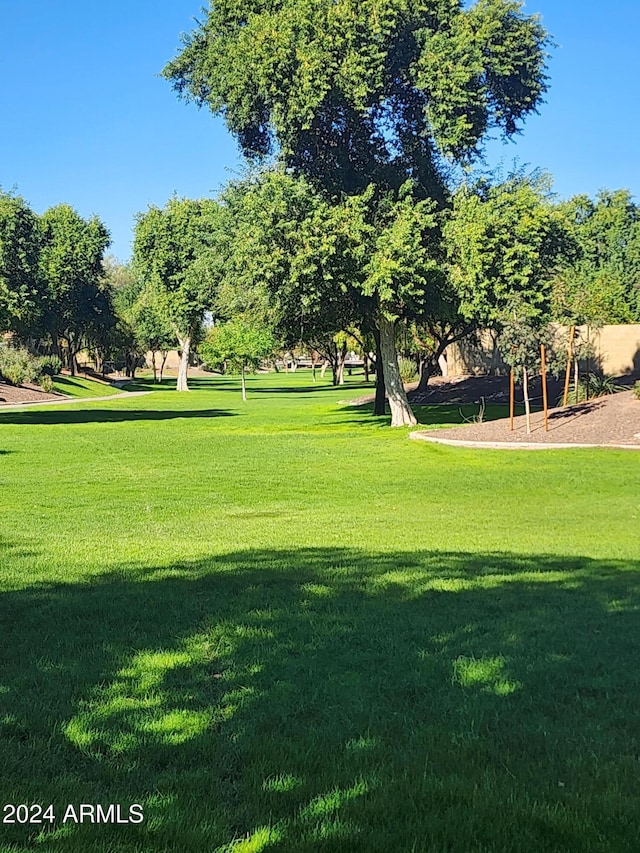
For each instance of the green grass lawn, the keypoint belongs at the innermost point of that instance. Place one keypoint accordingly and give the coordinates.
(79, 386)
(282, 626)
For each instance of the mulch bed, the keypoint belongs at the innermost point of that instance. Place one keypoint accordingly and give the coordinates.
(10, 395)
(611, 420)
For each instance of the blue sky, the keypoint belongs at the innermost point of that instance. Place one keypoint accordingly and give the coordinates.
(87, 121)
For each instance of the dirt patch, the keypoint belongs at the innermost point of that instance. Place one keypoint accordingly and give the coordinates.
(10, 395)
(612, 420)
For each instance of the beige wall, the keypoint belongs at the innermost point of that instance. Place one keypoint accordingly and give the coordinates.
(172, 362)
(617, 348)
(617, 351)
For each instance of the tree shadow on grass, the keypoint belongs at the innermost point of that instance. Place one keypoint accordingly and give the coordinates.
(202, 383)
(436, 414)
(311, 389)
(113, 416)
(329, 699)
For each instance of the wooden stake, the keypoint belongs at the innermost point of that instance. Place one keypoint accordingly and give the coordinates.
(544, 388)
(527, 408)
(588, 380)
(567, 376)
(511, 398)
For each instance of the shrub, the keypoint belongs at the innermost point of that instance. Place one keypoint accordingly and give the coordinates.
(18, 365)
(597, 386)
(407, 369)
(50, 365)
(636, 390)
(46, 383)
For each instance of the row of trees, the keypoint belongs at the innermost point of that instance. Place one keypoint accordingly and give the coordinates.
(271, 252)
(59, 294)
(358, 218)
(52, 288)
(287, 268)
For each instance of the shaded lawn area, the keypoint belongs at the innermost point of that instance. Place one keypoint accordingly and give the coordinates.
(294, 630)
(327, 699)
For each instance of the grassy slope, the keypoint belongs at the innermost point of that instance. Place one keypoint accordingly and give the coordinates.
(78, 386)
(283, 624)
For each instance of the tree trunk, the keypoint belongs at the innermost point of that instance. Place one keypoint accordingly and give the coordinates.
(71, 355)
(379, 404)
(425, 374)
(323, 369)
(401, 414)
(443, 364)
(341, 357)
(525, 388)
(588, 368)
(244, 385)
(185, 346)
(333, 358)
(164, 354)
(153, 362)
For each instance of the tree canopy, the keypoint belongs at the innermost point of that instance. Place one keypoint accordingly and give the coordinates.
(77, 302)
(504, 243)
(369, 100)
(20, 280)
(171, 253)
(601, 283)
(349, 92)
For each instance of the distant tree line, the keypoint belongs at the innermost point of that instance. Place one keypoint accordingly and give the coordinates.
(60, 294)
(359, 224)
(271, 254)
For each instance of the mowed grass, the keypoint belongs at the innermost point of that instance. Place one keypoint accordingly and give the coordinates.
(282, 626)
(80, 386)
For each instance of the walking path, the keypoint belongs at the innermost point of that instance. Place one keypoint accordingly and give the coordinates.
(6, 407)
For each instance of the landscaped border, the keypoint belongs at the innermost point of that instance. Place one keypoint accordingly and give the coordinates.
(421, 435)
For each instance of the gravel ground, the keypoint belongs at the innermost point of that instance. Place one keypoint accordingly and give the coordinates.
(611, 420)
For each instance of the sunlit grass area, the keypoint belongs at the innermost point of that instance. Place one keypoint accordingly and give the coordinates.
(79, 386)
(281, 626)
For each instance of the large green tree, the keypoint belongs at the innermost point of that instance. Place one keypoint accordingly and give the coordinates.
(78, 305)
(20, 279)
(172, 254)
(601, 283)
(361, 93)
(504, 243)
(288, 261)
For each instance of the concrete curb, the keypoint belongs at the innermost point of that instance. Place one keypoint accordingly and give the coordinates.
(4, 407)
(515, 445)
